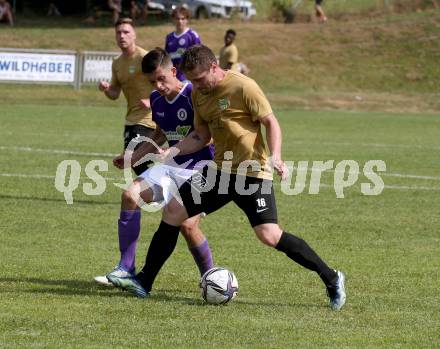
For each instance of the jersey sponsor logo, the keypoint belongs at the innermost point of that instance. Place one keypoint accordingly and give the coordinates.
(131, 69)
(223, 103)
(180, 133)
(161, 114)
(182, 41)
(182, 114)
(183, 130)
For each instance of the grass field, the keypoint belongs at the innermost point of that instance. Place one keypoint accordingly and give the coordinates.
(362, 89)
(388, 245)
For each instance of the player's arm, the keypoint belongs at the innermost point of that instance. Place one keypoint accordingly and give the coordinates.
(196, 140)
(273, 139)
(111, 91)
(158, 137)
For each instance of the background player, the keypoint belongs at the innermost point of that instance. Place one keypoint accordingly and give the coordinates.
(228, 58)
(127, 77)
(177, 42)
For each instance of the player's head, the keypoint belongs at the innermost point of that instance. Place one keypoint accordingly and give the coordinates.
(200, 67)
(160, 72)
(125, 33)
(230, 36)
(181, 17)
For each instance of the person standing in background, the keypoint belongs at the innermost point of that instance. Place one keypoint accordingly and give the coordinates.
(177, 42)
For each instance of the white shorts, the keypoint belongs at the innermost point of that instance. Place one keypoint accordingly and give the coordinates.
(165, 181)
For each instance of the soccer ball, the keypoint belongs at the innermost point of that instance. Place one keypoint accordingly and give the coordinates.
(218, 286)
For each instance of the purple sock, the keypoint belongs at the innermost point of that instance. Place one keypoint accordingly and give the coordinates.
(202, 256)
(129, 226)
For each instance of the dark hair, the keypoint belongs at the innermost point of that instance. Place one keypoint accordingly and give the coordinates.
(182, 11)
(154, 59)
(124, 20)
(197, 56)
(231, 31)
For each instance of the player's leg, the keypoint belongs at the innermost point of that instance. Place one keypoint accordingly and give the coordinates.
(260, 208)
(129, 229)
(133, 133)
(173, 216)
(197, 244)
(319, 11)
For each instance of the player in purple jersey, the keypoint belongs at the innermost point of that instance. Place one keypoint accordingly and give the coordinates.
(173, 113)
(177, 42)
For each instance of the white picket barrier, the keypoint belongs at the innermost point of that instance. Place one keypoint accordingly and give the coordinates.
(38, 66)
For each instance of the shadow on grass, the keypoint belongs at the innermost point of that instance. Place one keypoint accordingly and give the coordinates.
(33, 198)
(71, 287)
(89, 288)
(173, 296)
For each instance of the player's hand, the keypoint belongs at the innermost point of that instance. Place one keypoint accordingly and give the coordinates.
(145, 103)
(123, 160)
(118, 161)
(165, 155)
(281, 168)
(103, 86)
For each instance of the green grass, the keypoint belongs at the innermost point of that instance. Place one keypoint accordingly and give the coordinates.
(388, 244)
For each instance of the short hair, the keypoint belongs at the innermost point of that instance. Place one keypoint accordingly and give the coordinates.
(154, 59)
(231, 31)
(124, 20)
(197, 56)
(182, 11)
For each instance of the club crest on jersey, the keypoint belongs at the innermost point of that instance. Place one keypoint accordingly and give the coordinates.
(181, 114)
(223, 104)
(182, 42)
(131, 69)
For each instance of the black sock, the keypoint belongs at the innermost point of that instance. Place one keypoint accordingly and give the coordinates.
(161, 246)
(298, 250)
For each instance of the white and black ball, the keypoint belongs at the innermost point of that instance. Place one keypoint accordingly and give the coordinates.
(218, 286)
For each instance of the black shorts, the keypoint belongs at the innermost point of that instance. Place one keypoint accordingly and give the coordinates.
(209, 190)
(132, 132)
(318, 2)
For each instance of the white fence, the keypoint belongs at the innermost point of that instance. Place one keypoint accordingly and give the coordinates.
(55, 66)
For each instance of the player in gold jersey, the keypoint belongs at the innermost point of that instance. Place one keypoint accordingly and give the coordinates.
(231, 109)
(228, 57)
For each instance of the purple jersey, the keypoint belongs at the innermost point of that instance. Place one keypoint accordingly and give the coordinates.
(176, 120)
(176, 45)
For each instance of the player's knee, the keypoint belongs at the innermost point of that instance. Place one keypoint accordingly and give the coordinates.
(128, 197)
(188, 228)
(174, 213)
(268, 234)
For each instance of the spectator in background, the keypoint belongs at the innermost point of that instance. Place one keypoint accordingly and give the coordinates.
(6, 13)
(228, 59)
(139, 9)
(320, 12)
(177, 42)
(116, 7)
(53, 10)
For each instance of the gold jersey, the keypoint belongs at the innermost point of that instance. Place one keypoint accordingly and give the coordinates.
(229, 54)
(232, 112)
(127, 74)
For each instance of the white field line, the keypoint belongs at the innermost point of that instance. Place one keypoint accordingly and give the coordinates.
(122, 180)
(110, 155)
(55, 151)
(374, 145)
